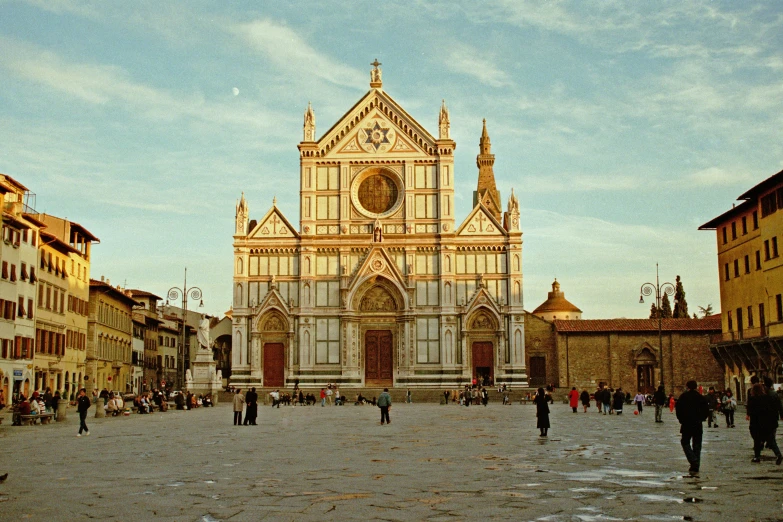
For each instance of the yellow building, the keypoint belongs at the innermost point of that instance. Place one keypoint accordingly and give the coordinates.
(110, 337)
(73, 272)
(751, 285)
(18, 255)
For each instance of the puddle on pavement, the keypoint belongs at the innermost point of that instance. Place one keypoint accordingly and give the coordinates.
(693, 500)
(175, 484)
(209, 482)
(647, 497)
(666, 517)
(208, 518)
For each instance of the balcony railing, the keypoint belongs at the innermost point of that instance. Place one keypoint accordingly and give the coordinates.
(746, 334)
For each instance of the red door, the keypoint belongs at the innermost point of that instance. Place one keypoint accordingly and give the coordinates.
(379, 361)
(274, 365)
(483, 367)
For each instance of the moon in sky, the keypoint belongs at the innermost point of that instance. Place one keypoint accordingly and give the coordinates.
(235, 91)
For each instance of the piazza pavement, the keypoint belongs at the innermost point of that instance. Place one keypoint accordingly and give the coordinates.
(433, 463)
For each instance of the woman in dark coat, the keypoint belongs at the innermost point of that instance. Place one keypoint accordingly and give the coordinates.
(619, 398)
(585, 398)
(542, 411)
(763, 413)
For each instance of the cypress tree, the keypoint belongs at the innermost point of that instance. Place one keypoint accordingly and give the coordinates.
(680, 304)
(653, 312)
(666, 307)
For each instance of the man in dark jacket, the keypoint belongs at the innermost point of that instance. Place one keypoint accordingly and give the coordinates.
(83, 404)
(692, 409)
(659, 398)
(251, 411)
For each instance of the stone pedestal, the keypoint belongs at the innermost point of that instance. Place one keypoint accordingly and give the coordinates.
(99, 411)
(60, 409)
(204, 377)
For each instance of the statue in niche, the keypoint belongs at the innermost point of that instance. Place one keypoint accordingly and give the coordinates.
(377, 299)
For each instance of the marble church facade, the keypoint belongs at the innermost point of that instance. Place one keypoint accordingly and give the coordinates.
(378, 285)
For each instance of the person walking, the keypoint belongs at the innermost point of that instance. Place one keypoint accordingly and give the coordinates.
(329, 393)
(729, 406)
(659, 399)
(639, 400)
(672, 403)
(764, 411)
(251, 410)
(239, 401)
(83, 404)
(484, 397)
(606, 400)
(573, 399)
(619, 399)
(384, 403)
(323, 397)
(692, 411)
(712, 404)
(542, 412)
(585, 398)
(599, 398)
(408, 396)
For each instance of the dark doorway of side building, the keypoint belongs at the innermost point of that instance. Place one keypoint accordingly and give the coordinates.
(537, 371)
(644, 379)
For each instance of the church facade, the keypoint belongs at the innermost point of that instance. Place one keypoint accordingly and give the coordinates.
(379, 285)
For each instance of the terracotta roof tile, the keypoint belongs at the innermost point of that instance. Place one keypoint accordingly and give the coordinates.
(708, 324)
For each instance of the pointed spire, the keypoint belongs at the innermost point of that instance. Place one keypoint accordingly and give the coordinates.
(241, 216)
(443, 122)
(487, 192)
(484, 144)
(309, 123)
(513, 202)
(274, 201)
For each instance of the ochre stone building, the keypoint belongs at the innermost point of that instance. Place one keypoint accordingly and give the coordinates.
(379, 285)
(616, 352)
(750, 274)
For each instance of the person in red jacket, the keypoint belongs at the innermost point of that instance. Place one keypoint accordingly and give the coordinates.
(573, 399)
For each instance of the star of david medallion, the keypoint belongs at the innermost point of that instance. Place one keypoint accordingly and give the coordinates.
(376, 138)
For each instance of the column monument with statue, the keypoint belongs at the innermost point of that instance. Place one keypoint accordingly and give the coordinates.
(203, 377)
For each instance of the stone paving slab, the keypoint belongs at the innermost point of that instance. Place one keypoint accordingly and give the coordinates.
(432, 463)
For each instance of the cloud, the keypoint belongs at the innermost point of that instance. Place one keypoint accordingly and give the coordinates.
(284, 47)
(101, 84)
(464, 59)
(716, 177)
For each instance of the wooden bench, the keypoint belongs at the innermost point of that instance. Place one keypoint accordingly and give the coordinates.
(45, 418)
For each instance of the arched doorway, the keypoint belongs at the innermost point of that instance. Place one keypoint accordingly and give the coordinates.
(378, 305)
(646, 363)
(273, 327)
(482, 327)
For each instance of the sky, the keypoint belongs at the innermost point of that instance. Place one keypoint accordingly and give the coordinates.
(621, 126)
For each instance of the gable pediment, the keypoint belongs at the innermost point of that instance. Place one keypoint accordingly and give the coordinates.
(377, 264)
(273, 225)
(376, 125)
(480, 222)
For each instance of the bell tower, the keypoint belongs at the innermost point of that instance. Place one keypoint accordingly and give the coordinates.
(487, 192)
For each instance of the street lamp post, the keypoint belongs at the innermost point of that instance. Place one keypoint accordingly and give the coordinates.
(174, 293)
(660, 289)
